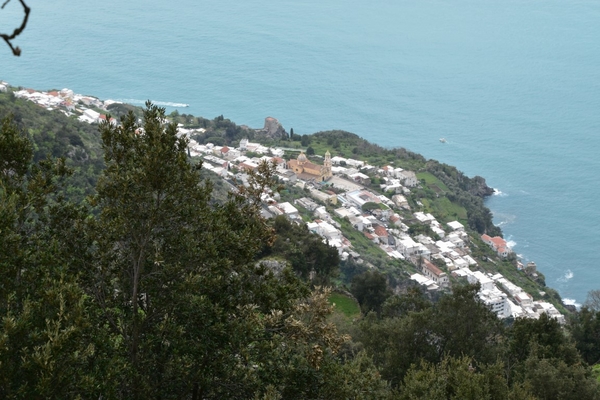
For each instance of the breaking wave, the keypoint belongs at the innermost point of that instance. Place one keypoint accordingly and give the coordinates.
(505, 219)
(566, 277)
(569, 275)
(571, 302)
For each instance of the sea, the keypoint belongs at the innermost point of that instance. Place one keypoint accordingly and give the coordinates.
(512, 86)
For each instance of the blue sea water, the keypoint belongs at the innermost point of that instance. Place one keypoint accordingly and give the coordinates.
(513, 86)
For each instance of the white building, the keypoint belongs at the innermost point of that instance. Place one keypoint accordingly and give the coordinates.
(321, 212)
(456, 226)
(409, 178)
(438, 231)
(90, 116)
(288, 209)
(424, 281)
(496, 301)
(328, 231)
(338, 160)
(409, 248)
(424, 218)
(432, 271)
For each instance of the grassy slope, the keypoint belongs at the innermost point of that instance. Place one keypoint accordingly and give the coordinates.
(344, 304)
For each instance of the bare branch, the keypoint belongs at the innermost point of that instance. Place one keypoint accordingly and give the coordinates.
(593, 300)
(7, 38)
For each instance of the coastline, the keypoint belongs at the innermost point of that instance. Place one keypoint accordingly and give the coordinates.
(95, 102)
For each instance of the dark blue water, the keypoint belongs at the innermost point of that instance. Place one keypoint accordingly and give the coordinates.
(513, 86)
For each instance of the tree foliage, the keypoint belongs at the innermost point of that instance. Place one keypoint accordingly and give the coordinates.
(305, 251)
(457, 348)
(152, 290)
(54, 134)
(371, 290)
(585, 329)
(460, 378)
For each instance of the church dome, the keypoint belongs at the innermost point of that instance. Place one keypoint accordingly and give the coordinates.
(302, 157)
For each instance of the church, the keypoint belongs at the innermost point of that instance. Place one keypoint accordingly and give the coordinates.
(306, 170)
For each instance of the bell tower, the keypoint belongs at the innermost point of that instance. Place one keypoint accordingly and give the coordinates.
(326, 169)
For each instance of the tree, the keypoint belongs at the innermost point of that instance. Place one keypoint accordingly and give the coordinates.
(48, 341)
(305, 140)
(412, 330)
(541, 355)
(356, 379)
(585, 329)
(544, 335)
(189, 309)
(463, 325)
(171, 268)
(305, 251)
(554, 379)
(310, 151)
(459, 378)
(370, 205)
(396, 343)
(413, 300)
(371, 290)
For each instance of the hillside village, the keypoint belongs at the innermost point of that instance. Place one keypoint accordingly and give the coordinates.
(384, 225)
(339, 194)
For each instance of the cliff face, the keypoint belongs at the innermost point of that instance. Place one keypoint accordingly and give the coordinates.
(453, 178)
(479, 187)
(272, 129)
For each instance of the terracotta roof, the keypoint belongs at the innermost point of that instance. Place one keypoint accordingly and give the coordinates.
(499, 242)
(308, 164)
(432, 267)
(246, 166)
(381, 231)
